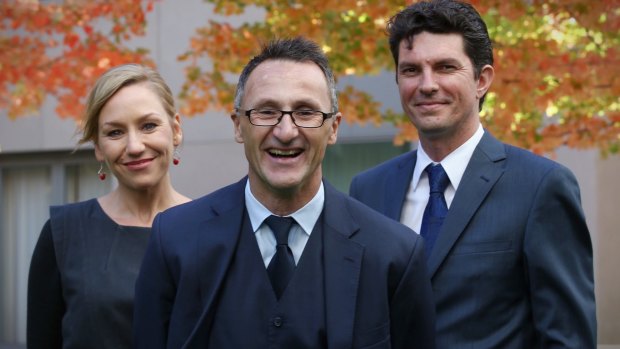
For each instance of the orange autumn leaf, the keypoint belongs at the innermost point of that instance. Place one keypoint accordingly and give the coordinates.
(33, 30)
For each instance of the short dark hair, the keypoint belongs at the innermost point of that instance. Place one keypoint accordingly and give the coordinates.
(297, 49)
(444, 17)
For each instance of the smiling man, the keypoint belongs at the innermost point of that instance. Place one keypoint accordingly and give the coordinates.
(509, 252)
(281, 259)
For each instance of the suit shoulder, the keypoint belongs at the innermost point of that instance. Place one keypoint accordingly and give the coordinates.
(387, 165)
(534, 163)
(204, 206)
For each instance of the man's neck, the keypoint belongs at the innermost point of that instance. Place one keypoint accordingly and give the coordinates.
(437, 147)
(285, 201)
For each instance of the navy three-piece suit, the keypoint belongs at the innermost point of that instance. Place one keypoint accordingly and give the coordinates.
(361, 281)
(512, 264)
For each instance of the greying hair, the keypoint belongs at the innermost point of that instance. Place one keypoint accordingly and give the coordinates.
(298, 49)
(110, 83)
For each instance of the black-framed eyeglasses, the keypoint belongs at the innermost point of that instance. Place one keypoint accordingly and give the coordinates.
(301, 118)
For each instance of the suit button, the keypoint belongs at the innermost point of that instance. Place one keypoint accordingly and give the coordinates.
(277, 321)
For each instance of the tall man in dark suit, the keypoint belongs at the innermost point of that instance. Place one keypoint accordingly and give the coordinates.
(509, 252)
(220, 272)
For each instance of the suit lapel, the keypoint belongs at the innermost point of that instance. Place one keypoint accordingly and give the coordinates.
(484, 169)
(215, 249)
(398, 181)
(342, 268)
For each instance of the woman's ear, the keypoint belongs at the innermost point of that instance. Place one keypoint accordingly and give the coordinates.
(98, 153)
(177, 131)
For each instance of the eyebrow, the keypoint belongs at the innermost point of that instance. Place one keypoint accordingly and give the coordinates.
(407, 64)
(141, 118)
(268, 102)
(452, 61)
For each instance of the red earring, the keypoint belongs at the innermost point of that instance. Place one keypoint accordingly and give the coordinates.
(101, 173)
(176, 158)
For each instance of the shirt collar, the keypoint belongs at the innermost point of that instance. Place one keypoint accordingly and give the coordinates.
(306, 216)
(454, 163)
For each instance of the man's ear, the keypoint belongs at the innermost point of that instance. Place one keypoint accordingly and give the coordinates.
(333, 136)
(484, 80)
(237, 126)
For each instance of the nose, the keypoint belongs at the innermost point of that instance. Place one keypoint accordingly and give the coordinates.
(285, 130)
(428, 85)
(135, 144)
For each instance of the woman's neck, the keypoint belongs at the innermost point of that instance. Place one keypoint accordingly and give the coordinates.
(139, 207)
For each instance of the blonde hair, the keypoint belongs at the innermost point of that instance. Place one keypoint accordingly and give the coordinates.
(111, 82)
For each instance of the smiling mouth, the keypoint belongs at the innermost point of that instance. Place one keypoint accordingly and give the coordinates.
(138, 162)
(427, 104)
(280, 153)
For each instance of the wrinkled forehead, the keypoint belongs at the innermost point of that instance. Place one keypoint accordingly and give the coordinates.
(433, 45)
(287, 82)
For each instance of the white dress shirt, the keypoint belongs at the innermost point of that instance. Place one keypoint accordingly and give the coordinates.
(454, 164)
(305, 218)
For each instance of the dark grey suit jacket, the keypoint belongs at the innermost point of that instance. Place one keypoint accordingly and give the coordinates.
(377, 290)
(512, 266)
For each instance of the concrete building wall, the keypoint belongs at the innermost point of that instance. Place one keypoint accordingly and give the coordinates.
(608, 256)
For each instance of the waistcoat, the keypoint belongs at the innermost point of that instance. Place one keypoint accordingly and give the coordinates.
(248, 314)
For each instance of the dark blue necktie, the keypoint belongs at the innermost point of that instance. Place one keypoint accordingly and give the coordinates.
(282, 265)
(436, 209)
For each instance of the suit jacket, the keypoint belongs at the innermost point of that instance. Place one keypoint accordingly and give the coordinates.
(512, 265)
(377, 291)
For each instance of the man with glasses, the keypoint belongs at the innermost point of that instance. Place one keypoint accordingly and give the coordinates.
(281, 259)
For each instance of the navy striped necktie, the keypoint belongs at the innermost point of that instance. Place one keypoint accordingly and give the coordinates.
(436, 208)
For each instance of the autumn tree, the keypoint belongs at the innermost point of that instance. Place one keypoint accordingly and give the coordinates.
(557, 69)
(50, 49)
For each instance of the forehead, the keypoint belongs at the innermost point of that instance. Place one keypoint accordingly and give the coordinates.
(133, 92)
(131, 100)
(432, 46)
(286, 82)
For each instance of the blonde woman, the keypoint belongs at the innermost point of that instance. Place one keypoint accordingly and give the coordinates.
(83, 270)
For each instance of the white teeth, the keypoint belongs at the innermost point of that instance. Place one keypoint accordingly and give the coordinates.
(279, 152)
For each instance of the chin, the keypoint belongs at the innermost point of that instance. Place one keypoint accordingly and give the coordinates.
(142, 183)
(289, 184)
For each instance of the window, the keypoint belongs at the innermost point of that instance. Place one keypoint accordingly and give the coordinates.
(29, 184)
(343, 161)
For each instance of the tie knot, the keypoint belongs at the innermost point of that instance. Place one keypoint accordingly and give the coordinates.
(437, 178)
(280, 227)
